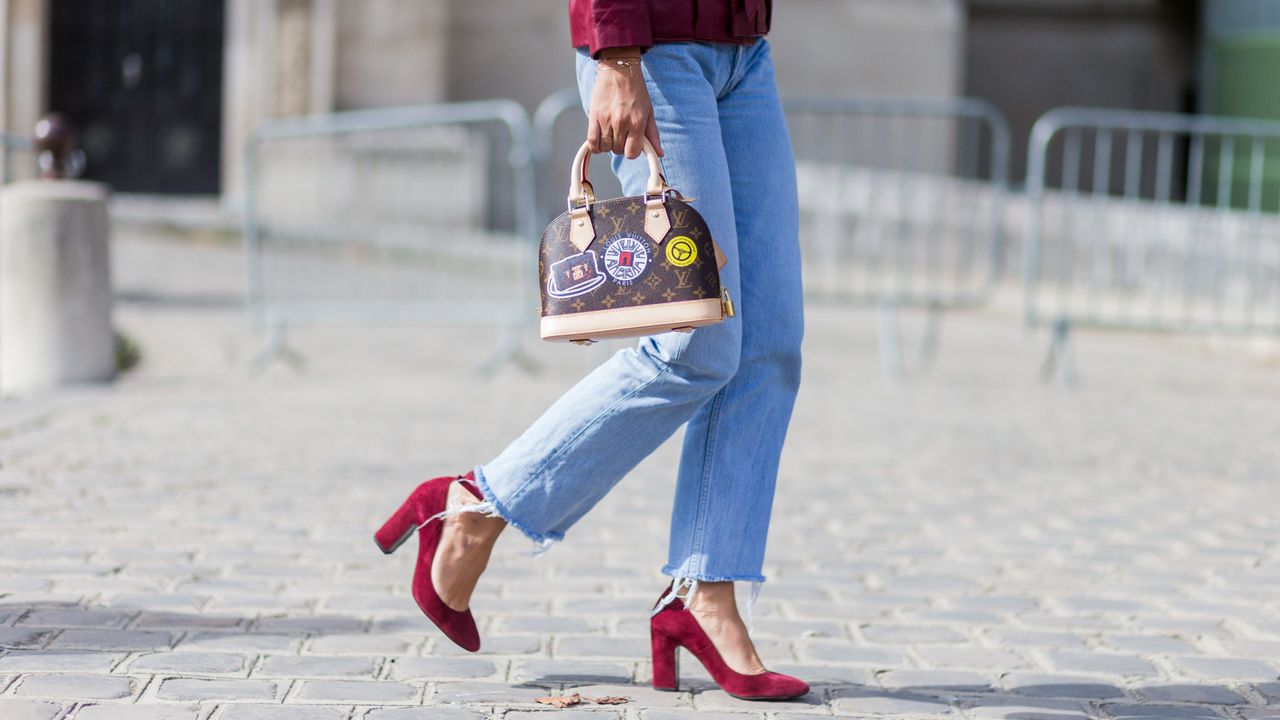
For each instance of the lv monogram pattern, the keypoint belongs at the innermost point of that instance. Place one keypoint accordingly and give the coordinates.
(623, 267)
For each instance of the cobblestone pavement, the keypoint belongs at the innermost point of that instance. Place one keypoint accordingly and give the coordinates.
(195, 543)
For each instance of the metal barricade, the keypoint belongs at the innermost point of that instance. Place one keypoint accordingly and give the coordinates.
(550, 131)
(901, 200)
(901, 205)
(1153, 222)
(420, 214)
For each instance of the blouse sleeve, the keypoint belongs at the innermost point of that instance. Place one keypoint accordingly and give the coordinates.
(620, 23)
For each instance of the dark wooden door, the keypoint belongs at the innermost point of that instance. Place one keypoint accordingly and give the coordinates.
(142, 82)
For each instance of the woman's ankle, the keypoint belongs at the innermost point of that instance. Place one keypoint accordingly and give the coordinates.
(479, 527)
(715, 607)
(711, 596)
(483, 530)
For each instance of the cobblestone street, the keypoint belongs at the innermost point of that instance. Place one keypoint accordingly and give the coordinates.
(195, 542)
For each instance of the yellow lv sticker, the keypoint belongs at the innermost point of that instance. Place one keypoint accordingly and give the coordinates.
(681, 251)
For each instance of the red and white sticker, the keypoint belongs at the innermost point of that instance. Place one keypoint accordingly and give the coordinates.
(626, 256)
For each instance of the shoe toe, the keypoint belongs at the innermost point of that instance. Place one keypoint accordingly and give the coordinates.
(787, 687)
(463, 632)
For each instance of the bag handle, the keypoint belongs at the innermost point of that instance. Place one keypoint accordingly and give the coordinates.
(580, 190)
(581, 195)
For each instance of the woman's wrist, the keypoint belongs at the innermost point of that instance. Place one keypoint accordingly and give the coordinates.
(625, 60)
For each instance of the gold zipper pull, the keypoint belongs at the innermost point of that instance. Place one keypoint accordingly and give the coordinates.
(726, 303)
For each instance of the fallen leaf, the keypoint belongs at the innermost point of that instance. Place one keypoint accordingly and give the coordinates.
(612, 700)
(560, 701)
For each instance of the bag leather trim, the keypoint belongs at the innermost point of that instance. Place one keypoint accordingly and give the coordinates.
(657, 223)
(625, 322)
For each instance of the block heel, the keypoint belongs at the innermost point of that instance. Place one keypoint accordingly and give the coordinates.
(666, 662)
(396, 530)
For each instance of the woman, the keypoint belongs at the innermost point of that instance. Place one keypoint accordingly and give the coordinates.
(696, 80)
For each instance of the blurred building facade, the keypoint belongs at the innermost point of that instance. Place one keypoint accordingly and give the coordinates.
(166, 92)
(1029, 56)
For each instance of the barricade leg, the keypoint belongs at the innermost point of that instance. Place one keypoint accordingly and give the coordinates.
(510, 350)
(275, 347)
(932, 335)
(889, 325)
(1059, 363)
(890, 340)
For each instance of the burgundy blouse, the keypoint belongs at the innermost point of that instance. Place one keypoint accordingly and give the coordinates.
(600, 24)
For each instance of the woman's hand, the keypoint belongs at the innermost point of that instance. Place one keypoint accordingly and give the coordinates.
(621, 113)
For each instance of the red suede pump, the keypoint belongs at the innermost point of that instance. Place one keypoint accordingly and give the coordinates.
(423, 505)
(675, 627)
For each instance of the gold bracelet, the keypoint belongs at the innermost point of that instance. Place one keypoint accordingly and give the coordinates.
(621, 63)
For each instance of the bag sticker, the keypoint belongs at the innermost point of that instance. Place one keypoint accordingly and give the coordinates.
(575, 275)
(626, 256)
(681, 251)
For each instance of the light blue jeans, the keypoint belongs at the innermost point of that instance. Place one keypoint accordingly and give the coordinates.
(734, 383)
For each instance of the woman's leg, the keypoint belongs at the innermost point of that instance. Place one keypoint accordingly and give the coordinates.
(612, 419)
(729, 466)
(572, 455)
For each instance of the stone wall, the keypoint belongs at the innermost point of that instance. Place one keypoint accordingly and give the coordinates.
(899, 47)
(518, 50)
(869, 47)
(288, 57)
(391, 52)
(1029, 58)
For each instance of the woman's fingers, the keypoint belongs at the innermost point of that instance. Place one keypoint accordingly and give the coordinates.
(622, 137)
(621, 116)
(595, 136)
(607, 136)
(651, 132)
(635, 144)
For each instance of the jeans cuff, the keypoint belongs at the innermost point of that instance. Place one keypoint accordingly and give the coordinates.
(680, 572)
(541, 541)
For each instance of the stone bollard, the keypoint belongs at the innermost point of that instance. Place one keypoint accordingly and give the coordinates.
(55, 286)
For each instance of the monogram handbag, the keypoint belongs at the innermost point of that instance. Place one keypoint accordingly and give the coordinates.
(629, 266)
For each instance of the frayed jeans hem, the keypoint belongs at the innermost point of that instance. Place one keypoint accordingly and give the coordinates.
(675, 572)
(690, 583)
(541, 541)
